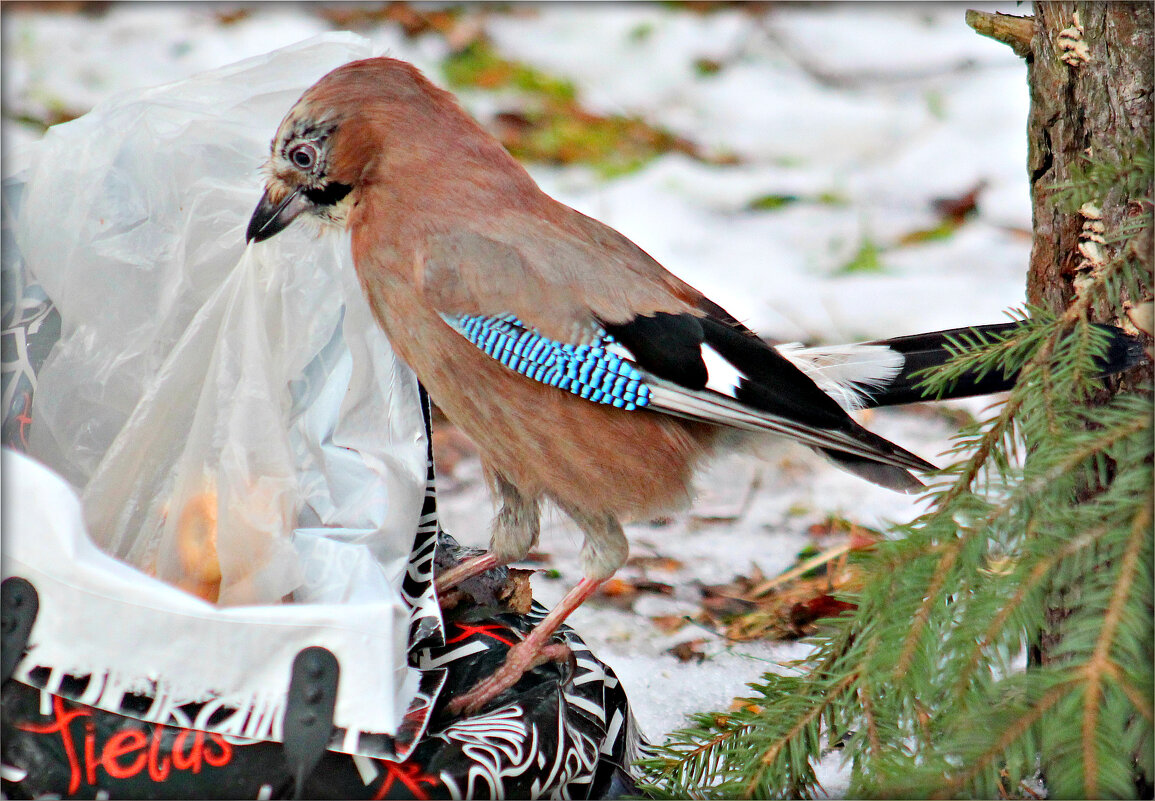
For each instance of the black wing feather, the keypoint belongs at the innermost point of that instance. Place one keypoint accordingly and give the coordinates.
(666, 345)
(772, 382)
(669, 346)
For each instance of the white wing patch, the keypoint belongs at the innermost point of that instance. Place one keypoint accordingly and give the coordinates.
(846, 373)
(723, 377)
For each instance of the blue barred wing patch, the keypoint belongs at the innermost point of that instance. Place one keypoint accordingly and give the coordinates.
(594, 371)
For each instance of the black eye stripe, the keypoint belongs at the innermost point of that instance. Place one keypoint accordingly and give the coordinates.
(328, 194)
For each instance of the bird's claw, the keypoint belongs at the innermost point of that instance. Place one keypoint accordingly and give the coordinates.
(522, 657)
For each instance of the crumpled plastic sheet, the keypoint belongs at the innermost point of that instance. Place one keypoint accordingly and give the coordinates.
(234, 421)
(194, 380)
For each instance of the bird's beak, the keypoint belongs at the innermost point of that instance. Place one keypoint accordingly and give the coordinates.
(269, 218)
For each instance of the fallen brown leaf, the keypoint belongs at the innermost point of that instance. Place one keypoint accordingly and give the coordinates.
(744, 705)
(689, 651)
(665, 563)
(517, 593)
(668, 624)
(958, 208)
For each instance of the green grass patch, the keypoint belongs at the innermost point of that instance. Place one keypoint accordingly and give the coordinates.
(868, 259)
(548, 125)
(479, 66)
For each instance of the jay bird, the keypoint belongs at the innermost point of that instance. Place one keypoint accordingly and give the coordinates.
(587, 375)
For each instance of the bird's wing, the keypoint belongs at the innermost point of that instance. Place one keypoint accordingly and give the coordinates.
(556, 276)
(584, 312)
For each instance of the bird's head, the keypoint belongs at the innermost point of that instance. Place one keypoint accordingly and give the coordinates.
(331, 139)
(304, 174)
(380, 122)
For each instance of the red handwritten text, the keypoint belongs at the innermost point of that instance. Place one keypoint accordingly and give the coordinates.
(129, 751)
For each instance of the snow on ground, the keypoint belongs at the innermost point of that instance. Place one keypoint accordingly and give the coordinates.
(868, 112)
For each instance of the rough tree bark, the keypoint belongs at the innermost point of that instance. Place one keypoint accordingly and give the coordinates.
(1090, 72)
(1097, 102)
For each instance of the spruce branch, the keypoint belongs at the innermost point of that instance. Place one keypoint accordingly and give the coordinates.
(1142, 705)
(868, 713)
(945, 563)
(954, 785)
(1040, 571)
(1010, 30)
(1100, 664)
(770, 755)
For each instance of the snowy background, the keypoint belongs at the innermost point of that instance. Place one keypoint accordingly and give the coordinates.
(824, 134)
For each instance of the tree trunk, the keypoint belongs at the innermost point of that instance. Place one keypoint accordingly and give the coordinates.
(1090, 77)
(1097, 103)
(1089, 69)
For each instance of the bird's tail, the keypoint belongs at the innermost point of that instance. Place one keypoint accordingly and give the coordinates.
(889, 372)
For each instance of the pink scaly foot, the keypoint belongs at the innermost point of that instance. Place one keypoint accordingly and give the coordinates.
(521, 658)
(534, 650)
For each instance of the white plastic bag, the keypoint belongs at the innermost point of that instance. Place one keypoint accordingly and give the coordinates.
(110, 637)
(198, 393)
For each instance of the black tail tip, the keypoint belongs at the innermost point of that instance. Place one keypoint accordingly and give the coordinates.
(1124, 351)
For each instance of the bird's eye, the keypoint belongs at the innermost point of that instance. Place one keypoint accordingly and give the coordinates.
(303, 156)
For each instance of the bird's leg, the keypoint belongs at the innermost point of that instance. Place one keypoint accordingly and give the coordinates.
(469, 568)
(515, 531)
(604, 551)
